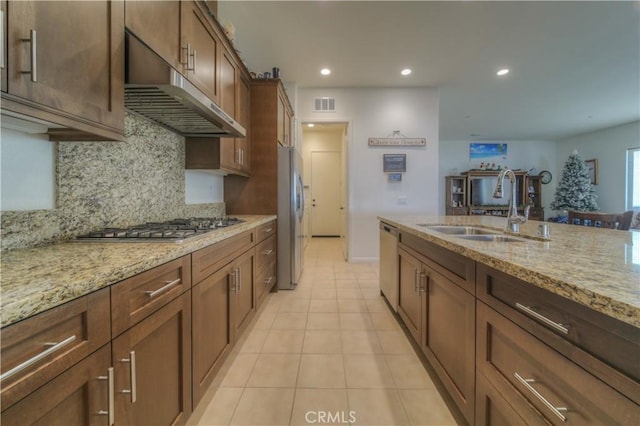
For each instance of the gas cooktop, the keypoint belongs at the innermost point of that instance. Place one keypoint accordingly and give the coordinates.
(176, 230)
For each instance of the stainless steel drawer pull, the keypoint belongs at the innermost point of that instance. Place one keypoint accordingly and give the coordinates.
(2, 39)
(234, 284)
(54, 348)
(267, 252)
(34, 49)
(239, 276)
(555, 410)
(416, 281)
(556, 325)
(268, 280)
(163, 289)
(267, 230)
(132, 372)
(111, 412)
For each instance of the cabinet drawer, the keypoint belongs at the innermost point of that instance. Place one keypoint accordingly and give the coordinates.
(138, 297)
(266, 253)
(548, 387)
(49, 343)
(492, 409)
(556, 320)
(265, 231)
(208, 260)
(265, 281)
(73, 398)
(457, 268)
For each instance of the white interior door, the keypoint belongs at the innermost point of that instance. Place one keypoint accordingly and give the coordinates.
(325, 193)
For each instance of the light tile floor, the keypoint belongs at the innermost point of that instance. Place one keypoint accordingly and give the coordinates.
(329, 352)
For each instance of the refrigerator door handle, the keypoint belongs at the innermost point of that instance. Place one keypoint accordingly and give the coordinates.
(302, 200)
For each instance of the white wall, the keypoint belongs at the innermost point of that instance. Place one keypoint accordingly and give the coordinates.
(609, 147)
(541, 155)
(28, 171)
(374, 112)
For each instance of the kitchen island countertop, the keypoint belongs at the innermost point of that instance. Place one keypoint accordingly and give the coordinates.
(598, 268)
(40, 278)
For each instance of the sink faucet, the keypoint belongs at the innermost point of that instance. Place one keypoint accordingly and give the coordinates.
(513, 219)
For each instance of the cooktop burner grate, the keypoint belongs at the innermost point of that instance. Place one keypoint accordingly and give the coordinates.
(176, 230)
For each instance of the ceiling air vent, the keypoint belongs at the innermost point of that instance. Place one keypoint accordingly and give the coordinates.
(324, 105)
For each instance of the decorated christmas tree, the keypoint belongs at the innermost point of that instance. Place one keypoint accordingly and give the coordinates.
(574, 191)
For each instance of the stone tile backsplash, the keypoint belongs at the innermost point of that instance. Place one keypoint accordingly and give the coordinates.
(110, 184)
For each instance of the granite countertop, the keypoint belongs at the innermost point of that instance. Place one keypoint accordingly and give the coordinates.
(34, 280)
(599, 268)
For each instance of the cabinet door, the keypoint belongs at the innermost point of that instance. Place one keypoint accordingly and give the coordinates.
(155, 389)
(243, 145)
(200, 46)
(448, 338)
(68, 59)
(410, 302)
(491, 407)
(212, 330)
(282, 111)
(287, 128)
(79, 396)
(157, 23)
(244, 294)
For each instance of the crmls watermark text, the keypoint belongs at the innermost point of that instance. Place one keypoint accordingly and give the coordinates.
(314, 417)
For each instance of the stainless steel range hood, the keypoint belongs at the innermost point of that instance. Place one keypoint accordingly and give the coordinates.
(155, 90)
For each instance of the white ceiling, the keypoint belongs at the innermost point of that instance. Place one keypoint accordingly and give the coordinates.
(575, 66)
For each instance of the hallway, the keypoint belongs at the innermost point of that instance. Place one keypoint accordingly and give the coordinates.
(329, 352)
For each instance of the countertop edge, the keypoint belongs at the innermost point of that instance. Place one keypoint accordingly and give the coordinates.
(599, 302)
(44, 299)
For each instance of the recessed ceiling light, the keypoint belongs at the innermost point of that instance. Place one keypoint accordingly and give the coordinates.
(325, 71)
(311, 125)
(405, 71)
(503, 71)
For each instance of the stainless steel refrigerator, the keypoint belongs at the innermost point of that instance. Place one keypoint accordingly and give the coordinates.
(290, 218)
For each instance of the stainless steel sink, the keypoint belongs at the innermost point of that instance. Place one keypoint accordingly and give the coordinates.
(492, 238)
(460, 230)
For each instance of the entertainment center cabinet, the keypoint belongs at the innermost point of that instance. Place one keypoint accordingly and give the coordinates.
(471, 193)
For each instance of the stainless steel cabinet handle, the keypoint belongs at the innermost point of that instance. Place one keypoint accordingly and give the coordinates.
(416, 278)
(54, 348)
(555, 410)
(2, 39)
(268, 280)
(267, 252)
(234, 284)
(163, 289)
(556, 325)
(423, 278)
(111, 413)
(132, 372)
(239, 275)
(189, 55)
(267, 230)
(34, 49)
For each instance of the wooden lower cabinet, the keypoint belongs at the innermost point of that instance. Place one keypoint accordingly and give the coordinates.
(244, 300)
(156, 388)
(79, 396)
(410, 300)
(440, 316)
(542, 385)
(449, 338)
(212, 328)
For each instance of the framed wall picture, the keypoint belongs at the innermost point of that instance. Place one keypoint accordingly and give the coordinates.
(394, 163)
(592, 165)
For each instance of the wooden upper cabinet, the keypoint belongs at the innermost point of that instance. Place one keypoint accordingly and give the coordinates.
(157, 23)
(200, 50)
(280, 120)
(66, 65)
